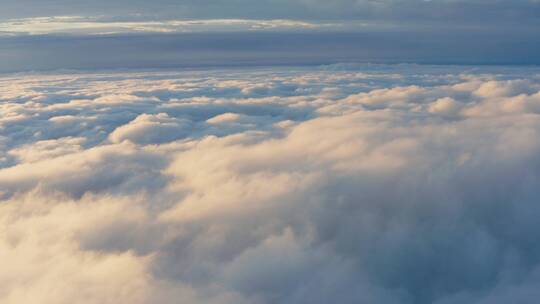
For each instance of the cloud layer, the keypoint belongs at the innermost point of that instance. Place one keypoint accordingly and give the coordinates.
(336, 184)
(273, 47)
(422, 13)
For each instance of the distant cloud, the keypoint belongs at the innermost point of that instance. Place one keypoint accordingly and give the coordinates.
(419, 13)
(265, 48)
(338, 184)
(77, 25)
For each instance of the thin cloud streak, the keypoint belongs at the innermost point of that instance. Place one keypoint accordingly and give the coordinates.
(76, 25)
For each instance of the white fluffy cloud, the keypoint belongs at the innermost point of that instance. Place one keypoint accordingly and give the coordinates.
(341, 184)
(147, 128)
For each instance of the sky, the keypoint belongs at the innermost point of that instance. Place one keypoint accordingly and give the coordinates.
(273, 151)
(61, 34)
(416, 12)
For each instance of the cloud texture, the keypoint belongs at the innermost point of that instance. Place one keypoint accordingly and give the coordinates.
(337, 184)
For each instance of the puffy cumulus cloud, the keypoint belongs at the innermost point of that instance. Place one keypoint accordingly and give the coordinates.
(224, 118)
(346, 184)
(46, 231)
(445, 106)
(119, 168)
(47, 149)
(148, 128)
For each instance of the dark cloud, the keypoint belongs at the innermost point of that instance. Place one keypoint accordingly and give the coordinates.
(247, 49)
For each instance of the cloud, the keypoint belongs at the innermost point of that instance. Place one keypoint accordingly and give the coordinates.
(100, 25)
(151, 129)
(47, 149)
(42, 230)
(224, 118)
(445, 106)
(383, 12)
(346, 183)
(151, 50)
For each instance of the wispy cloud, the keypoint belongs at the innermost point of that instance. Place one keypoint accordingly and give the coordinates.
(102, 25)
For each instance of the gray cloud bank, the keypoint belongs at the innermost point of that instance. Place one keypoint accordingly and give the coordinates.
(136, 51)
(337, 184)
(102, 34)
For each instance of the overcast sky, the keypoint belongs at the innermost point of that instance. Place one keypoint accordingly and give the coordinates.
(62, 34)
(485, 13)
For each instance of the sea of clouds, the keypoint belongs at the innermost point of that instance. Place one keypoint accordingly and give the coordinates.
(336, 184)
